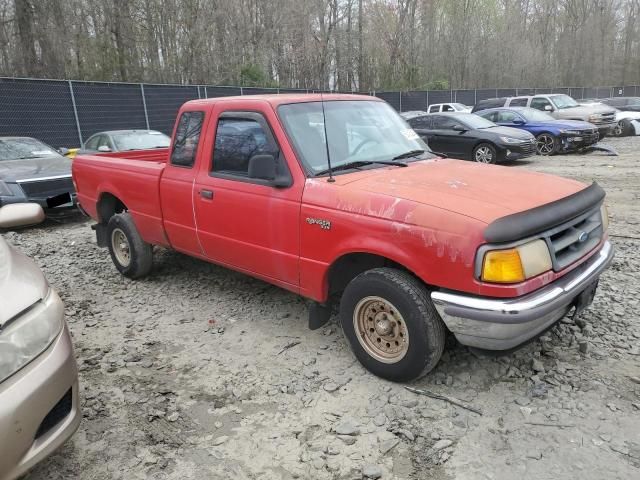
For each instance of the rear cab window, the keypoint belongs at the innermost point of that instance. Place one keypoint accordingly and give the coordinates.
(434, 108)
(518, 102)
(187, 139)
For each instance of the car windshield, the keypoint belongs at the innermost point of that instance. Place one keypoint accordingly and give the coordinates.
(140, 140)
(459, 107)
(24, 148)
(357, 131)
(533, 115)
(563, 101)
(473, 121)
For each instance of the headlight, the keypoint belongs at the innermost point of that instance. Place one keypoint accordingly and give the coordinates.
(516, 264)
(4, 190)
(604, 213)
(570, 132)
(511, 140)
(26, 337)
(594, 118)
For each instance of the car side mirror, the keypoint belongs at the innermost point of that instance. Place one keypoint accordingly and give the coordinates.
(518, 121)
(63, 151)
(20, 215)
(265, 167)
(459, 128)
(103, 148)
(548, 108)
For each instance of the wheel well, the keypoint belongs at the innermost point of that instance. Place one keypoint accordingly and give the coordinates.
(108, 206)
(349, 266)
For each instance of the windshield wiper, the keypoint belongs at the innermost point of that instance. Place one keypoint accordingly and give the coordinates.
(359, 163)
(409, 154)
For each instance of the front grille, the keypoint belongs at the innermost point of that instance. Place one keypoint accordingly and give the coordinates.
(529, 147)
(58, 413)
(47, 188)
(574, 239)
(606, 118)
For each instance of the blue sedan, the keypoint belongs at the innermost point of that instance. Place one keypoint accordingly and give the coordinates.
(553, 136)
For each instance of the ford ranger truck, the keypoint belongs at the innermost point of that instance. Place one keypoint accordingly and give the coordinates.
(335, 198)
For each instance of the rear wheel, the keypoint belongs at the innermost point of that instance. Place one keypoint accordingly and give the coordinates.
(485, 153)
(546, 144)
(132, 256)
(391, 324)
(617, 130)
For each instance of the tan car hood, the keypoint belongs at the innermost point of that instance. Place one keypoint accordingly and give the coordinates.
(21, 282)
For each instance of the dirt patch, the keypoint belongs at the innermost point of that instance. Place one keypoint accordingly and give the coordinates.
(185, 375)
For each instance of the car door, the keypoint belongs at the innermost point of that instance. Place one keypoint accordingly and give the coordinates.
(243, 222)
(448, 140)
(543, 104)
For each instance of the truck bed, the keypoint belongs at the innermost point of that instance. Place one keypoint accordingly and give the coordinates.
(132, 176)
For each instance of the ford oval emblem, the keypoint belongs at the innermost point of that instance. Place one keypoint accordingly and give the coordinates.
(582, 237)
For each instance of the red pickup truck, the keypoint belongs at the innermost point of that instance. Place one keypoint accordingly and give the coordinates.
(334, 197)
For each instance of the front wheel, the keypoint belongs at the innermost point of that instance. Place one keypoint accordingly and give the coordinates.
(132, 256)
(546, 144)
(391, 324)
(485, 153)
(617, 130)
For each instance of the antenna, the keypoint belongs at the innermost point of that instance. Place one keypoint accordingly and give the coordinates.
(326, 140)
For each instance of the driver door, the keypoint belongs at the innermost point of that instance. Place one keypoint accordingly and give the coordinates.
(244, 222)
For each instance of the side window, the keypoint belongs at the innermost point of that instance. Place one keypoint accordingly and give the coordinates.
(434, 108)
(444, 123)
(518, 102)
(505, 117)
(92, 143)
(540, 103)
(185, 144)
(491, 116)
(237, 141)
(420, 122)
(104, 141)
(447, 108)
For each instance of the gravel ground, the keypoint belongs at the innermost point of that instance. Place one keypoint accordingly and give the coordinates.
(198, 372)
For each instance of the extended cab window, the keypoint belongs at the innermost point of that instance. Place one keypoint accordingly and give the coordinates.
(518, 102)
(434, 108)
(239, 139)
(187, 138)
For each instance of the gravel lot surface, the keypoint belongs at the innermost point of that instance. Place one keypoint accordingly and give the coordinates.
(197, 372)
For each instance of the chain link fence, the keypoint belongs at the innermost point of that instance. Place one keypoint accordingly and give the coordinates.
(64, 113)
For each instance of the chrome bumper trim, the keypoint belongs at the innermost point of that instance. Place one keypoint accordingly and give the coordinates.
(504, 323)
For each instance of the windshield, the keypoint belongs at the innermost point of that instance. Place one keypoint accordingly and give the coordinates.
(533, 115)
(23, 148)
(357, 131)
(140, 140)
(563, 101)
(459, 107)
(473, 121)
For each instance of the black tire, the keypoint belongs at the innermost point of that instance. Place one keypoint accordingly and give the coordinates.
(414, 312)
(547, 144)
(626, 128)
(120, 231)
(485, 153)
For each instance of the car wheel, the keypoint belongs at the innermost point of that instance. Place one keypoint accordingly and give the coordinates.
(618, 129)
(391, 324)
(546, 144)
(132, 256)
(485, 153)
(626, 128)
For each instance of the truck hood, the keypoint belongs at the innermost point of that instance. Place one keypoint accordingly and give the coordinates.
(21, 282)
(482, 192)
(34, 168)
(584, 110)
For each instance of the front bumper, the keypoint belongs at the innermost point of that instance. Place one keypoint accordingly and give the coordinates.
(39, 407)
(576, 142)
(502, 324)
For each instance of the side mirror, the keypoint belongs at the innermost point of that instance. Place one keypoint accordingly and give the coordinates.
(20, 215)
(459, 128)
(103, 148)
(265, 167)
(63, 151)
(518, 121)
(548, 108)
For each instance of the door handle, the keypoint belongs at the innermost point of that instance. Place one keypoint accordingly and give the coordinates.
(208, 194)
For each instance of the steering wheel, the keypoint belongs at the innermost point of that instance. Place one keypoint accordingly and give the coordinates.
(362, 144)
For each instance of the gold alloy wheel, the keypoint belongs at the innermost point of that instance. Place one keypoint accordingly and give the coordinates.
(121, 248)
(380, 329)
